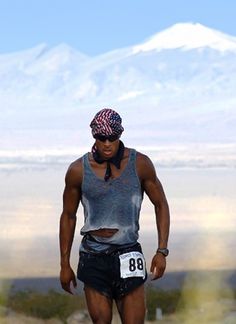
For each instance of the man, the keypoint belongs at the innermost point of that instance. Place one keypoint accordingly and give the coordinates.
(110, 182)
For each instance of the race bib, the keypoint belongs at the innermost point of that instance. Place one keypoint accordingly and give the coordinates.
(132, 264)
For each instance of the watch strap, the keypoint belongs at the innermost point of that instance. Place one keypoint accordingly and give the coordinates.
(163, 251)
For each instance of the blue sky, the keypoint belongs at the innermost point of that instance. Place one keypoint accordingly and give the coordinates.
(97, 26)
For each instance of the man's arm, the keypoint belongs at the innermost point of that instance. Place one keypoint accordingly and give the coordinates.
(153, 188)
(71, 199)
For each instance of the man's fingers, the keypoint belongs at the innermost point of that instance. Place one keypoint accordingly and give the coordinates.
(158, 266)
(67, 278)
(157, 273)
(67, 288)
(152, 268)
(154, 274)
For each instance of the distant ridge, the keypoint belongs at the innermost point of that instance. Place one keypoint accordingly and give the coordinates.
(183, 78)
(170, 281)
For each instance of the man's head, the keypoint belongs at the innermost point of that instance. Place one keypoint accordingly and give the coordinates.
(106, 122)
(106, 129)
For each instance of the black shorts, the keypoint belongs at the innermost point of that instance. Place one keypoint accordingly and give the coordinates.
(103, 271)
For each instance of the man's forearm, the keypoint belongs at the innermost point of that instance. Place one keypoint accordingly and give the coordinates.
(67, 230)
(163, 224)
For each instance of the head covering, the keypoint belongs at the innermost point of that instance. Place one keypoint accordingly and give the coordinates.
(106, 122)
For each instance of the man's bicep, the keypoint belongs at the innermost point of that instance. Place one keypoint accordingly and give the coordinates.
(154, 190)
(152, 185)
(72, 193)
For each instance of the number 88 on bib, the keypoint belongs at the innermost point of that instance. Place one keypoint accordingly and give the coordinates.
(132, 264)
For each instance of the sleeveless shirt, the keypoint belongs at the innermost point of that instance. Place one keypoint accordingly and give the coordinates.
(115, 203)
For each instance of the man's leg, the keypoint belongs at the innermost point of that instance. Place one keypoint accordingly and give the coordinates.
(132, 307)
(99, 306)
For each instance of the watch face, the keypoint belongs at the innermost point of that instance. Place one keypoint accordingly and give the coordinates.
(165, 252)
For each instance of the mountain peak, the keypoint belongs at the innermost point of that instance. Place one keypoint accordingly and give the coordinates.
(65, 51)
(188, 36)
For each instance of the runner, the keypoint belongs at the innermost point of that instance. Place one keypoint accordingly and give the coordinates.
(110, 182)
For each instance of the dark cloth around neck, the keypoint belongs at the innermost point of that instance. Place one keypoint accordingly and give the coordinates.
(116, 160)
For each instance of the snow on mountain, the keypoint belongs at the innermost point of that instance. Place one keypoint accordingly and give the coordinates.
(56, 59)
(188, 36)
(179, 87)
(22, 58)
(66, 75)
(34, 75)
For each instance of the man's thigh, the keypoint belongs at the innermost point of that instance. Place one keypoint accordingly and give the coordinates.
(132, 306)
(99, 305)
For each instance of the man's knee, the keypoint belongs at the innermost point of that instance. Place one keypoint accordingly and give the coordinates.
(99, 317)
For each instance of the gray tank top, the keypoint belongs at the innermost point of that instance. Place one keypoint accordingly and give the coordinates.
(115, 203)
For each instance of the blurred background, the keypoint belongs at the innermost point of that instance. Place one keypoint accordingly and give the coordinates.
(169, 69)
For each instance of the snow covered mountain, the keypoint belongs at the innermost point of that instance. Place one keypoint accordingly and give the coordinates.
(177, 87)
(188, 36)
(185, 54)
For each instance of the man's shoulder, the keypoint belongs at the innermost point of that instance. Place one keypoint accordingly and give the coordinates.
(75, 169)
(144, 165)
(78, 163)
(142, 158)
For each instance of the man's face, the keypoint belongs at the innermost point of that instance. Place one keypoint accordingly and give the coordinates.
(106, 148)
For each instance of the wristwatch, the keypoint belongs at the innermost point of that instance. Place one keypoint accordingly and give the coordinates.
(164, 251)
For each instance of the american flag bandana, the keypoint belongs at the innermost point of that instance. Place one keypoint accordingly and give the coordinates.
(106, 122)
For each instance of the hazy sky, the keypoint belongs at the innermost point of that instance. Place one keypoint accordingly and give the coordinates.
(97, 26)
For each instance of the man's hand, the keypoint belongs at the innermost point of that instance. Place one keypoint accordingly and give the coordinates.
(66, 277)
(158, 266)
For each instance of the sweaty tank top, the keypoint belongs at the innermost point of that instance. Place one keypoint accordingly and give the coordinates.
(115, 203)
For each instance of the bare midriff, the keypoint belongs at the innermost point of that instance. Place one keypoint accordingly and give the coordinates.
(104, 232)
